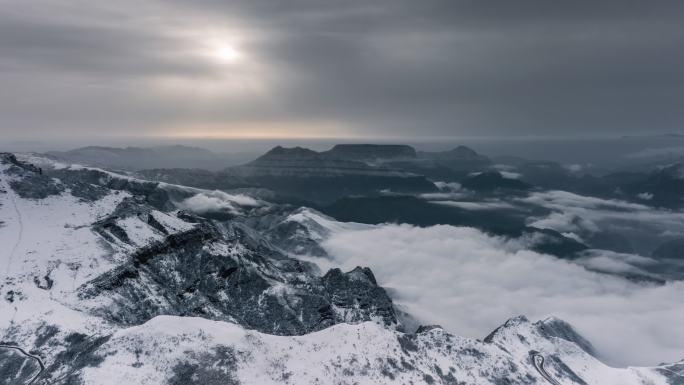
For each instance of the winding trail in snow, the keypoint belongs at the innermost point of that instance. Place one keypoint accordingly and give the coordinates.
(538, 362)
(36, 358)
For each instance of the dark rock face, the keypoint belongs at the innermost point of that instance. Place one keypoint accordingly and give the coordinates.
(358, 289)
(216, 273)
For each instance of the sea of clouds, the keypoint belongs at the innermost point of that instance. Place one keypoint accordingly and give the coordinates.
(470, 283)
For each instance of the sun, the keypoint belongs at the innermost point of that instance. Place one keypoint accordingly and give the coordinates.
(226, 54)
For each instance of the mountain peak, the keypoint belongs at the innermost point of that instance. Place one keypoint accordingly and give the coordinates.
(280, 152)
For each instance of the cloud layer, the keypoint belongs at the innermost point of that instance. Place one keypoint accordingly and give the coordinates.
(471, 282)
(374, 68)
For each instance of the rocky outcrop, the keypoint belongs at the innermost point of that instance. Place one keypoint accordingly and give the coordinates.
(28, 181)
(217, 273)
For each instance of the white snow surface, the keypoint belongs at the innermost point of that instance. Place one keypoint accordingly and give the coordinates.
(53, 233)
(365, 353)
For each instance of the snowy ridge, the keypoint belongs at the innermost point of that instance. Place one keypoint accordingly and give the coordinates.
(319, 226)
(192, 197)
(365, 353)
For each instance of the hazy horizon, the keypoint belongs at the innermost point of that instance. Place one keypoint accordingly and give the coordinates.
(603, 152)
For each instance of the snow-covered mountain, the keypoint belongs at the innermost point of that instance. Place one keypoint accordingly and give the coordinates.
(110, 279)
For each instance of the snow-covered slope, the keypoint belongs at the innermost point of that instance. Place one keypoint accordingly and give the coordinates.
(299, 231)
(109, 279)
(173, 350)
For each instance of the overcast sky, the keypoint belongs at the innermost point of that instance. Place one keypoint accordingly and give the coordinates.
(329, 68)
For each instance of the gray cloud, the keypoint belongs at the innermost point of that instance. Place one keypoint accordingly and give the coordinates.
(379, 68)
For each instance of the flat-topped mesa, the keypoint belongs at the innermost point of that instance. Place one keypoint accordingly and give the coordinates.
(371, 151)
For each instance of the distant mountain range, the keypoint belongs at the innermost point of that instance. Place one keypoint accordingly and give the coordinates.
(344, 170)
(365, 169)
(138, 158)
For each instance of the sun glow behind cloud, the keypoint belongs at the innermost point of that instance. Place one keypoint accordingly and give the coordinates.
(223, 48)
(227, 54)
